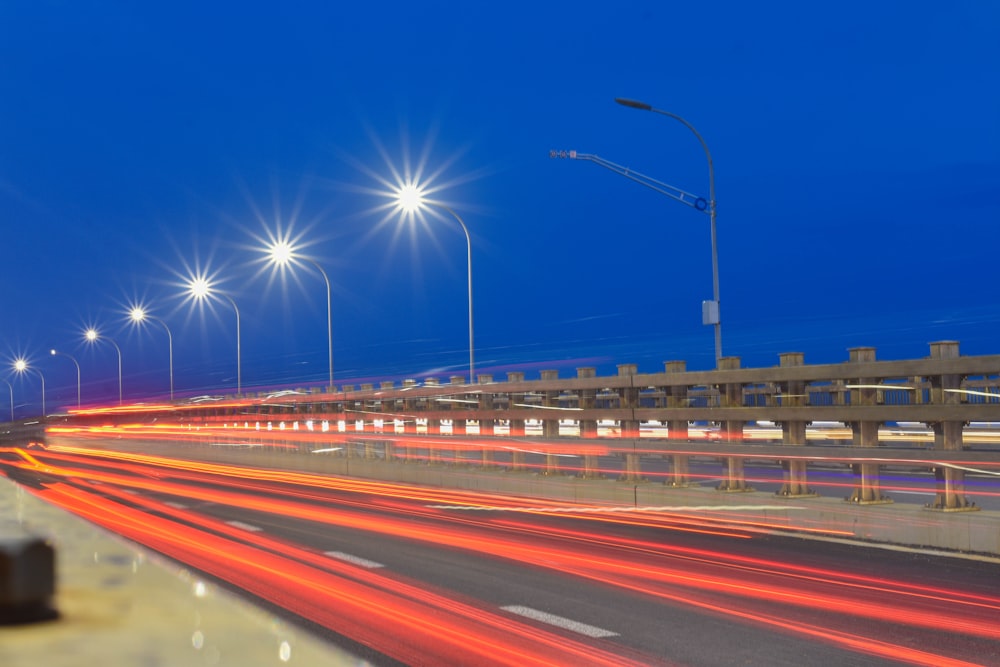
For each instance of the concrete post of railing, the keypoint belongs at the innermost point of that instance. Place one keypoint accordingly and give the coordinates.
(946, 390)
(344, 414)
(315, 409)
(677, 429)
(365, 414)
(433, 422)
(516, 425)
(333, 412)
(550, 421)
(388, 417)
(793, 431)
(486, 424)
(550, 399)
(731, 396)
(587, 401)
(629, 400)
(458, 426)
(386, 407)
(867, 488)
(409, 411)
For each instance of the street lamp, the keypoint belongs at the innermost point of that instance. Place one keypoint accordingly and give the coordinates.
(11, 387)
(92, 337)
(21, 366)
(711, 314)
(200, 288)
(139, 315)
(75, 363)
(281, 253)
(410, 199)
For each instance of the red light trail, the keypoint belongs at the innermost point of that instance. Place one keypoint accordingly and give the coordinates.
(802, 600)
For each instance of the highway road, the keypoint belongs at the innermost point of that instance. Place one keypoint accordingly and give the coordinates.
(409, 575)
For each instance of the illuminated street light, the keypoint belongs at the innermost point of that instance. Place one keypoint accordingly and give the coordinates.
(710, 313)
(139, 315)
(11, 387)
(75, 363)
(201, 289)
(21, 367)
(92, 337)
(409, 200)
(281, 253)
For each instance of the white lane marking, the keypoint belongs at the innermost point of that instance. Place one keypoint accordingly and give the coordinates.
(244, 526)
(599, 510)
(327, 449)
(178, 506)
(559, 621)
(356, 560)
(913, 493)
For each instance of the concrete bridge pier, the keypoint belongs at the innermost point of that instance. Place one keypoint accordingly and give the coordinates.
(551, 464)
(486, 425)
(550, 421)
(588, 401)
(516, 425)
(433, 423)
(365, 408)
(731, 396)
(867, 489)
(550, 399)
(629, 400)
(408, 416)
(945, 390)
(458, 426)
(677, 429)
(793, 432)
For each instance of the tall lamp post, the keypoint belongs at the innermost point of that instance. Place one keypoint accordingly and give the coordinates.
(711, 314)
(200, 288)
(11, 387)
(139, 315)
(92, 337)
(21, 366)
(75, 363)
(281, 253)
(410, 199)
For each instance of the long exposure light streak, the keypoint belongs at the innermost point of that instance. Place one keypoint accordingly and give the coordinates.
(427, 627)
(594, 556)
(326, 433)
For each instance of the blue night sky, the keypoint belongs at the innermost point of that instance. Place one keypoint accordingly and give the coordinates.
(856, 149)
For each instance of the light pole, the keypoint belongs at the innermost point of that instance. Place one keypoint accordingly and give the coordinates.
(11, 387)
(139, 315)
(21, 366)
(200, 288)
(711, 314)
(92, 337)
(281, 253)
(410, 199)
(75, 363)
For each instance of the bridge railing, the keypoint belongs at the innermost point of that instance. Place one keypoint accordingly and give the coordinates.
(588, 415)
